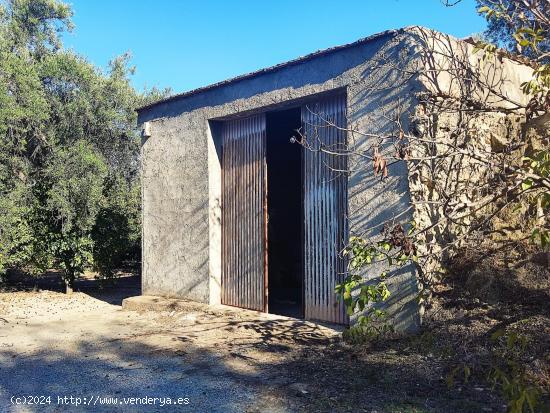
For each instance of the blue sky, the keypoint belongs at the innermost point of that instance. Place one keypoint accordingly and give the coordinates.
(184, 44)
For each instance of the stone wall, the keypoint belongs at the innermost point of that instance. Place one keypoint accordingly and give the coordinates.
(472, 110)
(444, 181)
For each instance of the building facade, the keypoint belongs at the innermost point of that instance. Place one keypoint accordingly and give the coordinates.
(236, 211)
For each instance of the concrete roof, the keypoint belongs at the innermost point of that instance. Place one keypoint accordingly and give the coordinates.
(275, 67)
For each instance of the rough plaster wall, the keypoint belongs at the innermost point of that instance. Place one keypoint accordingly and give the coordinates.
(181, 170)
(384, 93)
(214, 214)
(175, 210)
(536, 134)
(463, 178)
(468, 101)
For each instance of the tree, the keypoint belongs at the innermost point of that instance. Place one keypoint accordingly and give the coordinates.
(117, 229)
(56, 110)
(73, 179)
(33, 25)
(23, 109)
(507, 19)
(525, 24)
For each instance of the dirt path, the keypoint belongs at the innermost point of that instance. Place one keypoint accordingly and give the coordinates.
(221, 361)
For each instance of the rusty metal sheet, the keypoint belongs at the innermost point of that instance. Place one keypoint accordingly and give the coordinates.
(244, 213)
(325, 208)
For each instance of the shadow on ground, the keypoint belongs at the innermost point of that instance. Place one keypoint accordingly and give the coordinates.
(230, 362)
(314, 376)
(113, 291)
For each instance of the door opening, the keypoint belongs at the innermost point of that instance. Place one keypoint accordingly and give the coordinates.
(284, 204)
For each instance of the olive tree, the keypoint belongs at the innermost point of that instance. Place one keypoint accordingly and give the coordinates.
(69, 149)
(73, 180)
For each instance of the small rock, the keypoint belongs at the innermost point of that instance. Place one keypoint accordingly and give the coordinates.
(299, 388)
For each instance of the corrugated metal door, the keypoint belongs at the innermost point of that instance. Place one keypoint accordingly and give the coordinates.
(244, 256)
(325, 208)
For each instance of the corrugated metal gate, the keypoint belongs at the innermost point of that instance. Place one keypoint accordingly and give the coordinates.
(244, 216)
(244, 190)
(325, 207)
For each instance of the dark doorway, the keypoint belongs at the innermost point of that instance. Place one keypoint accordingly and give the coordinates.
(284, 228)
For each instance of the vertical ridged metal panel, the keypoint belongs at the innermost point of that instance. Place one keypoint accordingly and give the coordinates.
(244, 213)
(325, 208)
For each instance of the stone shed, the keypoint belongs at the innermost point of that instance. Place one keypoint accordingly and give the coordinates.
(236, 211)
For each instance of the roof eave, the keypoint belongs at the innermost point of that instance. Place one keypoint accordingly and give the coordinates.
(270, 69)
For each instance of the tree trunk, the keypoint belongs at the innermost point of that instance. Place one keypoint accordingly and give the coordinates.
(541, 221)
(69, 284)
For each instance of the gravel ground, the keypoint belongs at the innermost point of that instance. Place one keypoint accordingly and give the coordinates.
(230, 360)
(84, 346)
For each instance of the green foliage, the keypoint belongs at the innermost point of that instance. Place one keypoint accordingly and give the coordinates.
(364, 297)
(355, 293)
(69, 148)
(34, 25)
(537, 169)
(461, 372)
(16, 234)
(506, 17)
(74, 178)
(117, 229)
(507, 373)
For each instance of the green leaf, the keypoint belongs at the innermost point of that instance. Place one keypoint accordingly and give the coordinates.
(497, 334)
(526, 184)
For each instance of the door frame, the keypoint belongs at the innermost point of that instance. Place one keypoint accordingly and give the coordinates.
(295, 103)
